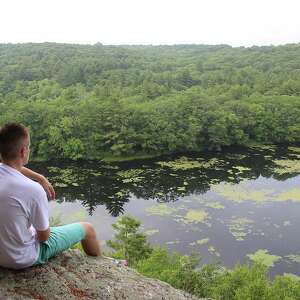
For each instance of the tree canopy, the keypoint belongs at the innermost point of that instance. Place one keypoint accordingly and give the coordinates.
(92, 101)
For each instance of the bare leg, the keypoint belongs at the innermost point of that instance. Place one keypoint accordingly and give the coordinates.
(90, 244)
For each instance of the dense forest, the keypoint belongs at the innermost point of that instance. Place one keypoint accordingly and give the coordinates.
(95, 101)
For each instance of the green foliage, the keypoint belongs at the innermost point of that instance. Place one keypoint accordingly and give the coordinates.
(84, 101)
(179, 271)
(244, 282)
(167, 267)
(79, 247)
(129, 243)
(284, 288)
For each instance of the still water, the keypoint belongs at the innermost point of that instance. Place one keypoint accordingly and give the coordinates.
(235, 206)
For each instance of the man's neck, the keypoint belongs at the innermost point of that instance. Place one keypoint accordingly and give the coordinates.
(13, 164)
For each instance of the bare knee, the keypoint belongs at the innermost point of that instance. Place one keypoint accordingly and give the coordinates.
(90, 232)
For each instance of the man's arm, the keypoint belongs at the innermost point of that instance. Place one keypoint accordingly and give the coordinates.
(43, 236)
(39, 213)
(42, 180)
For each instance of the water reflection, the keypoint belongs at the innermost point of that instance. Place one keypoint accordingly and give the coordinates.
(226, 206)
(165, 179)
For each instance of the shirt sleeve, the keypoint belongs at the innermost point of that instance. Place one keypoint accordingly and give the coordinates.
(39, 216)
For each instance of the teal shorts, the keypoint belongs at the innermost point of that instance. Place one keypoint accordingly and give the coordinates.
(60, 239)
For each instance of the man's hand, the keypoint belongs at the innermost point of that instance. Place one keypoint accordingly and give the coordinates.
(47, 186)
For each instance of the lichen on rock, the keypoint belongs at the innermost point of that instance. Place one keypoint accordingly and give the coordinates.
(72, 275)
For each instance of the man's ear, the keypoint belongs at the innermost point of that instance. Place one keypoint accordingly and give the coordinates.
(22, 152)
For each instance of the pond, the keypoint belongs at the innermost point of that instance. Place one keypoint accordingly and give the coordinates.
(232, 206)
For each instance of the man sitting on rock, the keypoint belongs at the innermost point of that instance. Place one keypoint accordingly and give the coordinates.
(25, 236)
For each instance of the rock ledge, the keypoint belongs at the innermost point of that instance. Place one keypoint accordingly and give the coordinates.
(71, 275)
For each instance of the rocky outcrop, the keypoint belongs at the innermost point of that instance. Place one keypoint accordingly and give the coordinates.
(72, 275)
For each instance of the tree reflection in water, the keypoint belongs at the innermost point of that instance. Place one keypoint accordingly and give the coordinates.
(98, 183)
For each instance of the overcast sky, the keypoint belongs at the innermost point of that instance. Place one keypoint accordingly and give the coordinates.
(233, 22)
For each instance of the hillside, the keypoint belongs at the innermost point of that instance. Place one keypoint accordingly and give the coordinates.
(84, 101)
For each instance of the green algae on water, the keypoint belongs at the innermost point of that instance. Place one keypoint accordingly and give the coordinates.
(121, 193)
(181, 188)
(293, 257)
(161, 210)
(202, 241)
(172, 242)
(236, 156)
(287, 166)
(212, 250)
(151, 232)
(240, 227)
(271, 148)
(294, 149)
(131, 175)
(292, 195)
(96, 174)
(133, 180)
(65, 177)
(199, 242)
(241, 168)
(215, 205)
(195, 216)
(184, 163)
(262, 256)
(240, 193)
